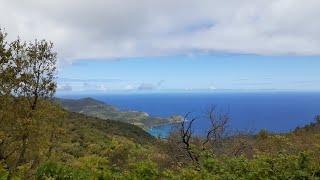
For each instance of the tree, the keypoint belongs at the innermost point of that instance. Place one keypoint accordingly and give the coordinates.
(7, 86)
(38, 74)
(27, 79)
(216, 132)
(190, 145)
(5, 64)
(186, 135)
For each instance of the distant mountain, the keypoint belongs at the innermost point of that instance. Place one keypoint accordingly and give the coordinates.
(95, 108)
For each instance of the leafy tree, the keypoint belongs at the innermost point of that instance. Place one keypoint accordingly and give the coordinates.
(5, 55)
(27, 79)
(38, 72)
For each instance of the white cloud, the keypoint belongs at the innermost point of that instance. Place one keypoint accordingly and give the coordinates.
(212, 87)
(112, 29)
(146, 86)
(103, 87)
(129, 87)
(64, 87)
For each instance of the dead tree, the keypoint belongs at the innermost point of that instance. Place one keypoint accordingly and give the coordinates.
(186, 136)
(218, 124)
(191, 145)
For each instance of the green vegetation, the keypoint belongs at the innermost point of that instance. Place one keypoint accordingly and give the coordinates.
(40, 140)
(95, 108)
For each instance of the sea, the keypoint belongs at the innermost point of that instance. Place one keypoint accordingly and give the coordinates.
(250, 112)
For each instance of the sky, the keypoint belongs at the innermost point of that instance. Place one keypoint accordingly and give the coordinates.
(206, 72)
(112, 45)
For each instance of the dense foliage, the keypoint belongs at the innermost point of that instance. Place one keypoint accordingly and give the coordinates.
(39, 140)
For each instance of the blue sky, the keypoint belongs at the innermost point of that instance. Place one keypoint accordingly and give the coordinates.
(193, 72)
(165, 45)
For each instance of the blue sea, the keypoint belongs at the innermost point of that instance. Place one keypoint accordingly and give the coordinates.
(249, 111)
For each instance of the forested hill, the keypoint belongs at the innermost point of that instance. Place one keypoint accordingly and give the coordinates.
(95, 108)
(79, 122)
(69, 144)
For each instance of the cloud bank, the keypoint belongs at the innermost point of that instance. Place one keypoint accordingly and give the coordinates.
(117, 29)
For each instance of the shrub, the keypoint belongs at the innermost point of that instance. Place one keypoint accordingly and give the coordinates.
(144, 171)
(3, 172)
(263, 134)
(59, 172)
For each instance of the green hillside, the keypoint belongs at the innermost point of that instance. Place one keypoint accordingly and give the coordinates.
(95, 108)
(76, 146)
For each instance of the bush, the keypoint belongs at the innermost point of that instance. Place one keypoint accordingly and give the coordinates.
(3, 172)
(282, 166)
(98, 166)
(263, 134)
(144, 171)
(59, 172)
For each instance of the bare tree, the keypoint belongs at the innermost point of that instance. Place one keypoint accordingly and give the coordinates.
(186, 135)
(213, 139)
(218, 124)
